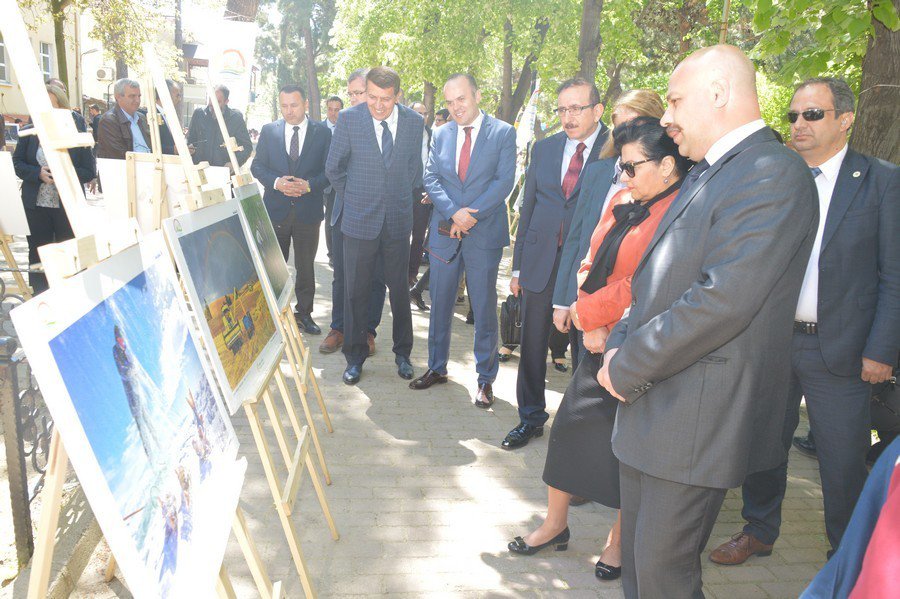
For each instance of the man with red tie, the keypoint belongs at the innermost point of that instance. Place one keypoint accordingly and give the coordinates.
(470, 172)
(552, 185)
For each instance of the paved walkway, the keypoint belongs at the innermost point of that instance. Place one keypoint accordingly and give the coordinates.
(426, 501)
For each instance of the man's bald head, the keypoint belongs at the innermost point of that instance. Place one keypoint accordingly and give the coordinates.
(712, 92)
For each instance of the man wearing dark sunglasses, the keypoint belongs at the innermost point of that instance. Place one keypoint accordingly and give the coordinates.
(552, 186)
(847, 324)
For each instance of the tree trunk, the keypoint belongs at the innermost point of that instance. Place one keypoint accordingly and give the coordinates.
(121, 68)
(312, 78)
(614, 89)
(590, 41)
(510, 108)
(58, 13)
(877, 128)
(242, 10)
(428, 96)
(506, 78)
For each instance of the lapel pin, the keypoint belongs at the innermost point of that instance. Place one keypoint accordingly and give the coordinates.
(856, 174)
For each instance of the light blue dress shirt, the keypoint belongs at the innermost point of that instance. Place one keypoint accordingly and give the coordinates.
(138, 143)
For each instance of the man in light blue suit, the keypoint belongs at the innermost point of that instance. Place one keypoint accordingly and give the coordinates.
(470, 173)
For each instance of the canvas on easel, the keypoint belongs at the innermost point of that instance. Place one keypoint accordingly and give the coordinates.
(236, 318)
(141, 417)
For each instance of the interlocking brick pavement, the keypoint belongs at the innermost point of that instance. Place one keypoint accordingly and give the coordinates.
(426, 501)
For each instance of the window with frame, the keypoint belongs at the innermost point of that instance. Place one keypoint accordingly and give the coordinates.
(46, 54)
(4, 74)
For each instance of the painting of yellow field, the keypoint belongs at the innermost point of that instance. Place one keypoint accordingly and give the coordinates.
(225, 290)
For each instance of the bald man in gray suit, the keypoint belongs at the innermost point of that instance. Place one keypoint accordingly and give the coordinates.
(702, 361)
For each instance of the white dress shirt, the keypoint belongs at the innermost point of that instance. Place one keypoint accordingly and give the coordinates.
(731, 139)
(461, 136)
(807, 306)
(301, 135)
(392, 126)
(330, 125)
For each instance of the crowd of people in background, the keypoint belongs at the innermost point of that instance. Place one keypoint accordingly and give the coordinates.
(704, 276)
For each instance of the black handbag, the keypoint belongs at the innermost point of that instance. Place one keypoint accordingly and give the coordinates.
(511, 321)
(885, 407)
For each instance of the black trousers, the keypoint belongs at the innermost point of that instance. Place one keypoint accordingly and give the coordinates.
(537, 320)
(47, 225)
(838, 408)
(421, 216)
(305, 237)
(360, 259)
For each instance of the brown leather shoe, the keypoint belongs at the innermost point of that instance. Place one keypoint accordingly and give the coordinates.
(371, 340)
(332, 342)
(427, 380)
(484, 398)
(739, 549)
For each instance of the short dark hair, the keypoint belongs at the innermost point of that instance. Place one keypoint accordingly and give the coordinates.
(172, 84)
(292, 88)
(444, 113)
(94, 107)
(844, 101)
(653, 139)
(467, 77)
(225, 91)
(334, 99)
(580, 82)
(384, 78)
(360, 73)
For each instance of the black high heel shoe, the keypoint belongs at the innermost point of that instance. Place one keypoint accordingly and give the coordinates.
(607, 572)
(560, 542)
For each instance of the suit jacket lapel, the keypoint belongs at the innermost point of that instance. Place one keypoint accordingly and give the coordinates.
(683, 200)
(369, 126)
(402, 124)
(280, 150)
(450, 140)
(592, 157)
(850, 179)
(557, 163)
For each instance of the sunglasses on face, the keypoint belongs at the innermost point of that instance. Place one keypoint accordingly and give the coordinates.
(812, 114)
(628, 167)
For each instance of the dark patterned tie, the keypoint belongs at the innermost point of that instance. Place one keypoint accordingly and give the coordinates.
(692, 176)
(574, 171)
(816, 171)
(295, 144)
(387, 142)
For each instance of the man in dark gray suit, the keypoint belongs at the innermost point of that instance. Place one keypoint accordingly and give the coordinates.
(847, 324)
(701, 361)
(552, 187)
(374, 161)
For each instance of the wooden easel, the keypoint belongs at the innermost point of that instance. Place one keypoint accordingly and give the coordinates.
(24, 289)
(296, 461)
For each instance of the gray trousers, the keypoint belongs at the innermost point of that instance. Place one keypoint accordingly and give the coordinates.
(665, 527)
(838, 409)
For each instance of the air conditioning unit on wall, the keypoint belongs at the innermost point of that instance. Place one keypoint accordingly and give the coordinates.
(105, 74)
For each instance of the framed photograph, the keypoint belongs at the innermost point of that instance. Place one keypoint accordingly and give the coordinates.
(237, 321)
(264, 246)
(140, 416)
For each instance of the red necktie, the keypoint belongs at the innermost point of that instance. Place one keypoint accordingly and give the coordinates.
(574, 171)
(465, 155)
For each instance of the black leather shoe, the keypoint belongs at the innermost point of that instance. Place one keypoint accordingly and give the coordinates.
(306, 321)
(560, 542)
(806, 445)
(503, 357)
(484, 397)
(352, 374)
(428, 379)
(521, 435)
(560, 366)
(404, 368)
(607, 572)
(470, 317)
(415, 298)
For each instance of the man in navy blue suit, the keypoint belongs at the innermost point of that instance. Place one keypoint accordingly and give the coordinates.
(847, 323)
(470, 172)
(374, 162)
(290, 163)
(552, 187)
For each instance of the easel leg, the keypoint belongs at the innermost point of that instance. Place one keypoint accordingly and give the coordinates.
(320, 493)
(110, 571)
(305, 367)
(11, 261)
(224, 588)
(251, 554)
(312, 426)
(51, 499)
(276, 426)
(286, 523)
(288, 403)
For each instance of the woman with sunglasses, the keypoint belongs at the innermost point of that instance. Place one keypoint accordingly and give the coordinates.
(580, 461)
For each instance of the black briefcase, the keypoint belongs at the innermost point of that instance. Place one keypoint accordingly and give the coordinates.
(511, 321)
(885, 406)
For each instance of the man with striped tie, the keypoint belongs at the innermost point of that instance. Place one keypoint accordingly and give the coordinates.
(290, 163)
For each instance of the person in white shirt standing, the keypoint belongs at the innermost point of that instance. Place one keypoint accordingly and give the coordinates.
(847, 323)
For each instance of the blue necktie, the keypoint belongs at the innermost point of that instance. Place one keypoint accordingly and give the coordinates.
(816, 171)
(692, 176)
(387, 142)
